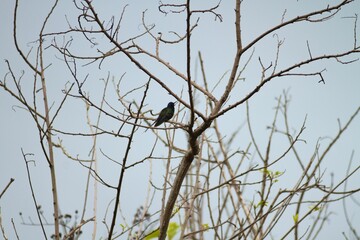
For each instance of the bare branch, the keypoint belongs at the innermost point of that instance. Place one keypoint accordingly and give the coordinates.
(7, 186)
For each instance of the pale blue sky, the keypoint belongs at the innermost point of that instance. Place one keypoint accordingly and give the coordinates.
(322, 103)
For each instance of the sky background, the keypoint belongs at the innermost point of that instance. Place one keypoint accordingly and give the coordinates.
(323, 104)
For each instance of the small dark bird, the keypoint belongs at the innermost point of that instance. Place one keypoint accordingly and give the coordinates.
(166, 114)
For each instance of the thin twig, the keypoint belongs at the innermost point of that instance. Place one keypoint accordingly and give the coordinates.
(7, 186)
(32, 191)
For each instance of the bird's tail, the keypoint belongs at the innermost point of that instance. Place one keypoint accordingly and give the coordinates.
(151, 125)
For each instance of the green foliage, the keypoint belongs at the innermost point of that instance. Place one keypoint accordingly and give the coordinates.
(123, 227)
(171, 232)
(153, 235)
(296, 218)
(205, 226)
(261, 203)
(315, 208)
(271, 174)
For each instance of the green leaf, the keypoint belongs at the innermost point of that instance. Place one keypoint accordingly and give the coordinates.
(315, 208)
(262, 203)
(205, 226)
(123, 227)
(172, 230)
(296, 218)
(153, 235)
(271, 174)
(266, 171)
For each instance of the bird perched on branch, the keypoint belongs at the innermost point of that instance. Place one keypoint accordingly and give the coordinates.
(166, 114)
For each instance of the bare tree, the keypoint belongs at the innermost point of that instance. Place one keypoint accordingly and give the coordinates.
(214, 189)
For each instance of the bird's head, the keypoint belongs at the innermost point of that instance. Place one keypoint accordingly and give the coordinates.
(171, 104)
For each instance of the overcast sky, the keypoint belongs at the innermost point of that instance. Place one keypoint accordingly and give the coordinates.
(321, 104)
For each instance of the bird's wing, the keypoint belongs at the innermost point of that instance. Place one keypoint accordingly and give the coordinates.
(161, 118)
(169, 115)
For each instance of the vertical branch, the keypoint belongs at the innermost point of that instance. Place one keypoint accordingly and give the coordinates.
(193, 144)
(202, 67)
(286, 122)
(239, 51)
(163, 198)
(16, 42)
(266, 170)
(33, 193)
(123, 166)
(170, 139)
(2, 228)
(200, 202)
(188, 63)
(94, 160)
(48, 133)
(238, 25)
(51, 159)
(346, 213)
(180, 176)
(189, 218)
(355, 33)
(12, 222)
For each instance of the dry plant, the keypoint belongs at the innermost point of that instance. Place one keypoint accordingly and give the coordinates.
(214, 191)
